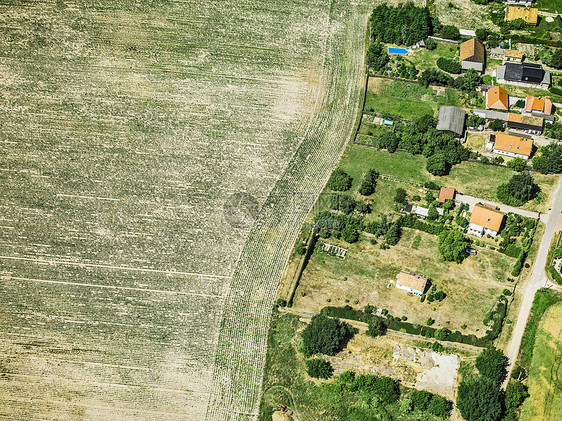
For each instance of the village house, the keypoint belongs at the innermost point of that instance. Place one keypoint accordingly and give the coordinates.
(422, 212)
(540, 105)
(473, 55)
(411, 282)
(528, 14)
(515, 56)
(451, 120)
(513, 146)
(446, 193)
(497, 98)
(530, 75)
(527, 123)
(485, 220)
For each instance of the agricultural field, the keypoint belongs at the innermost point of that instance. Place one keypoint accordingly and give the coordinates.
(545, 384)
(150, 155)
(368, 274)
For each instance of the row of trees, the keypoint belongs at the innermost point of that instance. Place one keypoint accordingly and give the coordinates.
(468, 82)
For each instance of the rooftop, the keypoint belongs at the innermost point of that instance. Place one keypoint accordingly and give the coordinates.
(498, 98)
(528, 14)
(523, 72)
(544, 105)
(410, 279)
(525, 119)
(515, 144)
(446, 193)
(451, 119)
(474, 50)
(513, 53)
(486, 217)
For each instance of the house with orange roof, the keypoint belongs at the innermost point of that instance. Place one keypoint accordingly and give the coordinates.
(527, 123)
(473, 55)
(541, 105)
(485, 220)
(514, 146)
(446, 193)
(411, 282)
(497, 98)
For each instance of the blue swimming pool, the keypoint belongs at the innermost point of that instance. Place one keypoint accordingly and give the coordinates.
(394, 50)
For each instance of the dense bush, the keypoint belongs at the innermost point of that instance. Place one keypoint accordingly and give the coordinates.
(339, 180)
(393, 234)
(517, 164)
(519, 190)
(479, 400)
(324, 335)
(452, 245)
(377, 56)
(400, 195)
(491, 364)
(342, 202)
(377, 327)
(435, 77)
(330, 224)
(549, 160)
(437, 164)
(515, 393)
(451, 66)
(405, 24)
(369, 183)
(450, 32)
(497, 125)
(411, 221)
(469, 81)
(554, 131)
(384, 388)
(319, 368)
(430, 44)
(431, 185)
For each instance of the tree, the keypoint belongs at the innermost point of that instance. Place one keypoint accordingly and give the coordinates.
(474, 121)
(349, 234)
(339, 180)
(369, 183)
(421, 399)
(540, 164)
(437, 164)
(556, 59)
(448, 65)
(479, 400)
(377, 57)
(435, 77)
(498, 160)
(377, 327)
(549, 160)
(386, 389)
(452, 245)
(400, 195)
(324, 335)
(439, 406)
(482, 34)
(448, 205)
(450, 32)
(430, 44)
(518, 24)
(515, 394)
(517, 164)
(319, 368)
(491, 364)
(393, 234)
(519, 190)
(520, 103)
(342, 202)
(469, 81)
(363, 207)
(497, 125)
(432, 213)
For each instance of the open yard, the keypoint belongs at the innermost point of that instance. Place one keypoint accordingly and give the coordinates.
(545, 374)
(471, 287)
(471, 178)
(406, 99)
(427, 59)
(140, 141)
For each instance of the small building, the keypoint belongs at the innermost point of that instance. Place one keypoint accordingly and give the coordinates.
(497, 98)
(491, 114)
(411, 282)
(530, 75)
(451, 120)
(485, 220)
(513, 56)
(540, 105)
(422, 212)
(527, 123)
(497, 53)
(446, 193)
(514, 146)
(473, 55)
(523, 2)
(528, 14)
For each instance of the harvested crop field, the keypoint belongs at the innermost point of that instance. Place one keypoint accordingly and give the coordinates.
(126, 291)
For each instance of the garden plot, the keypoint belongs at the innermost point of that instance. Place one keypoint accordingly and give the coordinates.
(126, 292)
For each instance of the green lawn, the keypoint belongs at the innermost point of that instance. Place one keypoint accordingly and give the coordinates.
(554, 6)
(426, 59)
(406, 99)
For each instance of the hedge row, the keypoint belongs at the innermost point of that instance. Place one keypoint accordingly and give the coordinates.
(512, 251)
(554, 274)
(394, 323)
(412, 221)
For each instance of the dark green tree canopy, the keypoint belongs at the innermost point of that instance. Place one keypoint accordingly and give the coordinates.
(491, 364)
(519, 190)
(377, 57)
(450, 32)
(405, 24)
(452, 245)
(369, 183)
(437, 164)
(324, 335)
(319, 368)
(479, 400)
(339, 180)
(377, 327)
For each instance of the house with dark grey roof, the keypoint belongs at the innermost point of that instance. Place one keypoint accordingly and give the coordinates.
(524, 74)
(451, 120)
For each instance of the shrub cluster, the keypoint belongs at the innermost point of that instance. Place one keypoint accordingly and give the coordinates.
(339, 180)
(324, 335)
(369, 183)
(448, 65)
(405, 24)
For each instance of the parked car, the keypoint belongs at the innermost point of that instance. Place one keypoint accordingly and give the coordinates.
(471, 251)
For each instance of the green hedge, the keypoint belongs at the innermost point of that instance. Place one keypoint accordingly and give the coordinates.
(557, 277)
(394, 323)
(555, 90)
(412, 221)
(447, 65)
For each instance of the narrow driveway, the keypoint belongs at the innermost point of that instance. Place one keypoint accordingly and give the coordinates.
(471, 201)
(538, 280)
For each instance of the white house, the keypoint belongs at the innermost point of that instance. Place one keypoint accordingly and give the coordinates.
(409, 281)
(485, 220)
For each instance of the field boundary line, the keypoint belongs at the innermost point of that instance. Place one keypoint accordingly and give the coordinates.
(77, 196)
(161, 291)
(94, 265)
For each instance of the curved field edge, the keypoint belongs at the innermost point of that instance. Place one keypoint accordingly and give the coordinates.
(242, 341)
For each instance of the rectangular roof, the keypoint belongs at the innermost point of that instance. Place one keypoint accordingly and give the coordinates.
(473, 50)
(498, 98)
(528, 14)
(529, 120)
(515, 144)
(513, 53)
(446, 193)
(544, 105)
(486, 217)
(451, 119)
(410, 279)
(523, 72)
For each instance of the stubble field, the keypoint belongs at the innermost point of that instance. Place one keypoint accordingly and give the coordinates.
(125, 292)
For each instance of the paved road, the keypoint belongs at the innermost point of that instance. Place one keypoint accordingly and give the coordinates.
(504, 208)
(538, 279)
